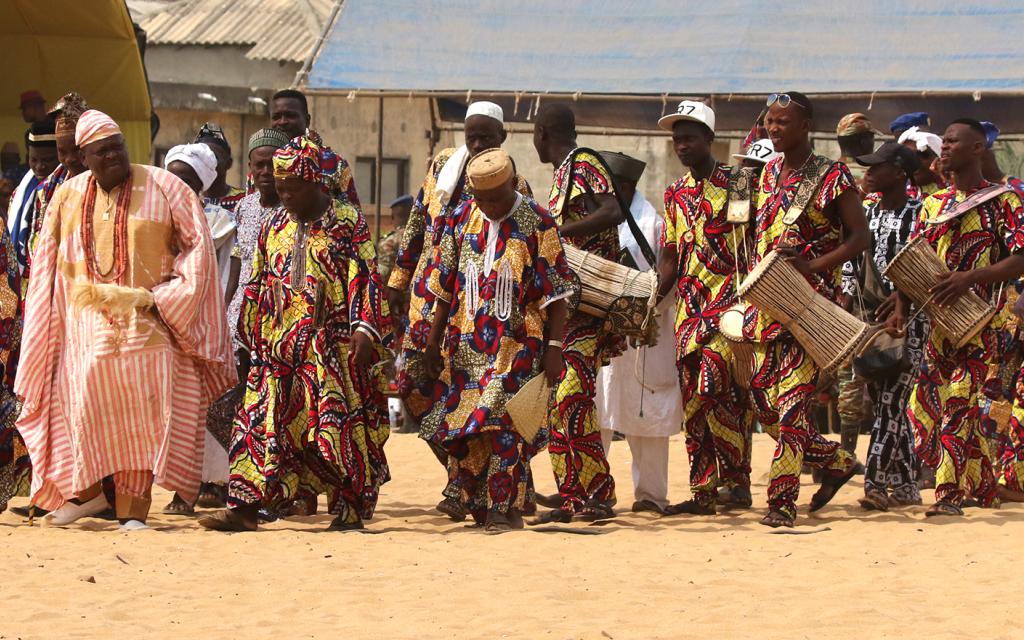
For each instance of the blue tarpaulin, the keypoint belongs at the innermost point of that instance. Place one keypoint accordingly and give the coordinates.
(674, 46)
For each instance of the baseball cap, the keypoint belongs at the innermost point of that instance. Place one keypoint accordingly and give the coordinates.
(853, 123)
(893, 152)
(759, 151)
(689, 110)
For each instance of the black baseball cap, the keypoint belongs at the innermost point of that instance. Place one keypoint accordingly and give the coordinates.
(893, 152)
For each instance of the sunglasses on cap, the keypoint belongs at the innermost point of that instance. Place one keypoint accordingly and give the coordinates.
(784, 100)
(211, 130)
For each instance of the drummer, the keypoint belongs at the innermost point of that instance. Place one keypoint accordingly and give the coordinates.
(829, 230)
(717, 415)
(982, 247)
(583, 202)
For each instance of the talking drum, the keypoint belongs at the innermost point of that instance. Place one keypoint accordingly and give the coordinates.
(828, 333)
(730, 324)
(624, 297)
(915, 270)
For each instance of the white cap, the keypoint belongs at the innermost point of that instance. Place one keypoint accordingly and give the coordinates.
(922, 140)
(760, 151)
(488, 109)
(689, 110)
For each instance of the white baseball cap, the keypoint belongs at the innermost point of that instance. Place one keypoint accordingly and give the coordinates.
(689, 110)
(760, 151)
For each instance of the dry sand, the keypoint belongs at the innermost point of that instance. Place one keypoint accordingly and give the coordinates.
(421, 576)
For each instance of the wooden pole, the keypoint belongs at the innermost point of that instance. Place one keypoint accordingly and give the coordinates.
(380, 162)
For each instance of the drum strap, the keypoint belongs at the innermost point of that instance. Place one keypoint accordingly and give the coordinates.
(976, 199)
(741, 184)
(813, 175)
(641, 241)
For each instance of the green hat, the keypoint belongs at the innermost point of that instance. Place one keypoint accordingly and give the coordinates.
(267, 138)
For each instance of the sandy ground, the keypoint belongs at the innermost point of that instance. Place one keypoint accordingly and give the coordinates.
(422, 576)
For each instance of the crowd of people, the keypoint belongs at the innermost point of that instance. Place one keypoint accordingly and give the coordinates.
(241, 346)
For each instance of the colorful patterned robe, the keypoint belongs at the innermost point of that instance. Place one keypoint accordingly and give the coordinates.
(426, 223)
(814, 233)
(311, 422)
(944, 404)
(499, 276)
(15, 465)
(103, 395)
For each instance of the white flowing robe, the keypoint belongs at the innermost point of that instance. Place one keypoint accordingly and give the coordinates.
(618, 384)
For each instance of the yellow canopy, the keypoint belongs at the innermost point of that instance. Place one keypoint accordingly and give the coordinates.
(57, 46)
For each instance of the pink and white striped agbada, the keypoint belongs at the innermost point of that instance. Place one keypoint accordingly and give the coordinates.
(101, 398)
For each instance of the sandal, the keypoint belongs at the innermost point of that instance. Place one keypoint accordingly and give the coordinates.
(641, 506)
(555, 515)
(31, 511)
(212, 496)
(226, 520)
(691, 507)
(830, 486)
(341, 524)
(874, 501)
(453, 509)
(178, 507)
(737, 498)
(776, 519)
(594, 511)
(497, 522)
(942, 508)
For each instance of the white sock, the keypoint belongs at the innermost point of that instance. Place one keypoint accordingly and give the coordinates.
(134, 525)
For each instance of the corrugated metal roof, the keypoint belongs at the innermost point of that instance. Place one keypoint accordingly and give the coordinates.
(659, 46)
(274, 29)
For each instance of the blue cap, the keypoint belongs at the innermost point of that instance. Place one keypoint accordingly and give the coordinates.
(907, 120)
(991, 133)
(401, 200)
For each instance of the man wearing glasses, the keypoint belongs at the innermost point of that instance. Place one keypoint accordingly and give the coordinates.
(818, 226)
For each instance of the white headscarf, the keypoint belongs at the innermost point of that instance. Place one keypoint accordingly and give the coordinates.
(198, 156)
(453, 169)
(922, 140)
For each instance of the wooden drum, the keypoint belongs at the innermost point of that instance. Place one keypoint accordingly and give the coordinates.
(730, 324)
(625, 297)
(915, 270)
(828, 333)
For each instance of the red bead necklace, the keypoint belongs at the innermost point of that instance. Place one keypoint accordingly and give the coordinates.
(120, 263)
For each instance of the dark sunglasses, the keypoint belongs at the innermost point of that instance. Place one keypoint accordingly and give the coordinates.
(784, 100)
(211, 130)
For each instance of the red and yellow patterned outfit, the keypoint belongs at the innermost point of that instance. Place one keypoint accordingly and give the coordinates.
(310, 422)
(785, 376)
(427, 221)
(498, 275)
(944, 403)
(577, 455)
(717, 412)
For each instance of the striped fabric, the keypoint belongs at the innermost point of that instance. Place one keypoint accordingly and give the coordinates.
(103, 396)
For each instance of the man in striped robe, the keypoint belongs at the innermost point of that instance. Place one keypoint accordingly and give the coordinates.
(125, 337)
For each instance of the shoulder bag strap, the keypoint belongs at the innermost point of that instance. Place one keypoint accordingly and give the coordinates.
(641, 241)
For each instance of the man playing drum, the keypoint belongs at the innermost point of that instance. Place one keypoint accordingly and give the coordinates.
(583, 203)
(982, 248)
(699, 259)
(808, 210)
